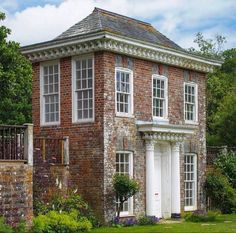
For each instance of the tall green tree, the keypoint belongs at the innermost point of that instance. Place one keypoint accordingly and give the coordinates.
(221, 91)
(221, 102)
(15, 81)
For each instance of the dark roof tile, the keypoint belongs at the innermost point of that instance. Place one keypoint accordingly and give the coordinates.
(101, 20)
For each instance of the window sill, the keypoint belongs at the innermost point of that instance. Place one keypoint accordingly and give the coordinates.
(160, 120)
(192, 122)
(50, 124)
(83, 121)
(190, 208)
(124, 115)
(127, 216)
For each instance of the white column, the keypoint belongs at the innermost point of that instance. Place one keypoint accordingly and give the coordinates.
(150, 190)
(175, 180)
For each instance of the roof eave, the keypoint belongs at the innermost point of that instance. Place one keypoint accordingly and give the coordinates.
(104, 40)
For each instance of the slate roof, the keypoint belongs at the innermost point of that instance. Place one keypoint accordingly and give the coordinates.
(102, 20)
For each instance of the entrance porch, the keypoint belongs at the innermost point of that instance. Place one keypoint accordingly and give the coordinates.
(163, 143)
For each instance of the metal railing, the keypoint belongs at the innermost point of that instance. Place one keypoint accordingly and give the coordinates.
(12, 142)
(51, 150)
(16, 143)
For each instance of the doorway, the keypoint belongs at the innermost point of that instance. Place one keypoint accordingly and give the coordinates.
(162, 166)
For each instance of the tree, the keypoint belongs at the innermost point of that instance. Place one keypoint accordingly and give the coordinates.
(221, 102)
(209, 47)
(124, 187)
(15, 81)
(221, 91)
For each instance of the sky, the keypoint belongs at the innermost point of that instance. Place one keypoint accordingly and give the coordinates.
(33, 21)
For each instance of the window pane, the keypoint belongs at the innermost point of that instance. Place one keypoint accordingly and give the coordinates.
(45, 70)
(56, 69)
(90, 73)
(78, 65)
(80, 114)
(51, 70)
(83, 64)
(90, 63)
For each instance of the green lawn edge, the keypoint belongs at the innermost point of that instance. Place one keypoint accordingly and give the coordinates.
(223, 224)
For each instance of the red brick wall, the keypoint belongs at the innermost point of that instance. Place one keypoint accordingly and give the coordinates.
(85, 140)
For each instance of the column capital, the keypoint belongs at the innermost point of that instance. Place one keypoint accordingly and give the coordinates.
(175, 146)
(150, 144)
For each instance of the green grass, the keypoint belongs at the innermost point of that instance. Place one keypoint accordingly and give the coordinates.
(223, 223)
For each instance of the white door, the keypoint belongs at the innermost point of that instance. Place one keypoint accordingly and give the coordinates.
(157, 164)
(166, 180)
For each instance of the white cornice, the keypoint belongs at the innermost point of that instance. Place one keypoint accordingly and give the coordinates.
(117, 44)
(164, 132)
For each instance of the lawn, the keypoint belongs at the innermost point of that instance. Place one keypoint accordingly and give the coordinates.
(223, 223)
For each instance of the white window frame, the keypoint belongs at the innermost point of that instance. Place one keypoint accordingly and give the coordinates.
(165, 110)
(195, 113)
(74, 96)
(42, 99)
(130, 107)
(195, 180)
(130, 200)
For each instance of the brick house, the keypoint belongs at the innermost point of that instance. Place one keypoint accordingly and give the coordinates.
(131, 101)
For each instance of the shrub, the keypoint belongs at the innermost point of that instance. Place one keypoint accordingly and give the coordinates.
(63, 222)
(130, 222)
(148, 220)
(226, 162)
(21, 228)
(221, 193)
(124, 187)
(220, 183)
(201, 216)
(4, 228)
(67, 203)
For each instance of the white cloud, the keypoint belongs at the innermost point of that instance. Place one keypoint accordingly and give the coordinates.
(179, 20)
(8, 5)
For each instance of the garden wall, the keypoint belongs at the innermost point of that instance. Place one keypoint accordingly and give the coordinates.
(16, 192)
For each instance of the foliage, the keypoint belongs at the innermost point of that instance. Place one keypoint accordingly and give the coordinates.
(15, 81)
(221, 89)
(221, 193)
(66, 203)
(127, 222)
(224, 118)
(4, 228)
(147, 220)
(124, 187)
(209, 47)
(21, 228)
(63, 222)
(201, 216)
(226, 162)
(221, 100)
(220, 183)
(130, 222)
